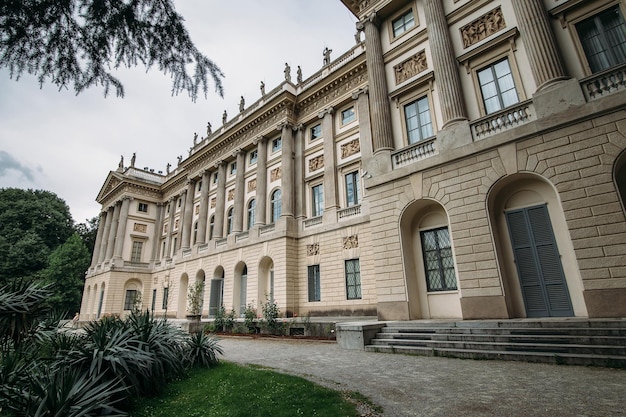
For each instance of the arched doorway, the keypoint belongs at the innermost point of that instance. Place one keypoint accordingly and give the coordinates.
(183, 287)
(216, 296)
(240, 288)
(200, 282)
(430, 268)
(266, 282)
(537, 260)
(620, 178)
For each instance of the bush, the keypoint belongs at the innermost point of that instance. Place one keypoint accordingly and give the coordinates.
(249, 318)
(271, 312)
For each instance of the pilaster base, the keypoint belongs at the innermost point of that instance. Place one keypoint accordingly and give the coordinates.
(394, 310)
(487, 307)
(455, 135)
(606, 303)
(558, 98)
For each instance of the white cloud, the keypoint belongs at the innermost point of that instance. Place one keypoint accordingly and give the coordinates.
(76, 140)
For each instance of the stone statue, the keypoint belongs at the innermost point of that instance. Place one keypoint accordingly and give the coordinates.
(357, 37)
(224, 117)
(287, 72)
(121, 164)
(132, 160)
(262, 89)
(180, 159)
(327, 53)
(208, 129)
(299, 75)
(167, 168)
(242, 103)
(195, 138)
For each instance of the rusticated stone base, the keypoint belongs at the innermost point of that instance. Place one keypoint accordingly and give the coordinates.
(606, 303)
(489, 307)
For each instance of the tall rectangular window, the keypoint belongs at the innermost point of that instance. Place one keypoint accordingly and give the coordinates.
(142, 207)
(313, 272)
(438, 262)
(233, 168)
(603, 38)
(353, 189)
(136, 251)
(166, 292)
(353, 279)
(277, 144)
(317, 200)
(418, 123)
(254, 156)
(497, 86)
(348, 116)
(129, 300)
(154, 293)
(403, 23)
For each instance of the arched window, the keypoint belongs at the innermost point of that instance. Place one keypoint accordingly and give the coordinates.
(229, 220)
(211, 226)
(276, 205)
(251, 213)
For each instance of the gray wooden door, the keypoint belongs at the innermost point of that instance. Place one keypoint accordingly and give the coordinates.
(216, 296)
(538, 263)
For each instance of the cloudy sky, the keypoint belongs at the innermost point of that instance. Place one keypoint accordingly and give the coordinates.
(67, 144)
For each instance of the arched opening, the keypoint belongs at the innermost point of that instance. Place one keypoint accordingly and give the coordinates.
(211, 226)
(251, 213)
(540, 275)
(265, 282)
(427, 248)
(240, 288)
(201, 287)
(183, 287)
(216, 295)
(100, 301)
(229, 220)
(275, 206)
(133, 296)
(620, 178)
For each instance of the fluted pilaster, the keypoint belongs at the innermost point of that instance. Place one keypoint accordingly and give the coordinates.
(188, 214)
(113, 230)
(204, 207)
(287, 198)
(121, 228)
(218, 227)
(239, 191)
(330, 173)
(261, 182)
(96, 248)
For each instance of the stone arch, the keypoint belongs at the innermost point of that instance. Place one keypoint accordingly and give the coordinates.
(216, 292)
(133, 295)
(201, 277)
(524, 191)
(100, 301)
(183, 287)
(240, 288)
(265, 281)
(425, 217)
(619, 177)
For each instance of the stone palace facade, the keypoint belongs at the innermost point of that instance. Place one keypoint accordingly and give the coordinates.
(465, 159)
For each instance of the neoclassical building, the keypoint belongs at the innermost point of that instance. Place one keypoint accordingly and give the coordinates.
(465, 159)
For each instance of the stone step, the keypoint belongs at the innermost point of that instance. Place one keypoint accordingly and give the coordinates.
(540, 357)
(512, 324)
(564, 331)
(609, 350)
(519, 338)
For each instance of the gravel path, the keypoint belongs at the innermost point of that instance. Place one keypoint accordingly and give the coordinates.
(429, 386)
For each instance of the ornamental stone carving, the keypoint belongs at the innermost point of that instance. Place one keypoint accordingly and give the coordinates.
(139, 227)
(316, 163)
(213, 202)
(351, 242)
(312, 250)
(231, 194)
(350, 148)
(410, 67)
(252, 185)
(483, 27)
(276, 174)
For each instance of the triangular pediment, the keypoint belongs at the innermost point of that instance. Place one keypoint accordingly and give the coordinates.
(113, 180)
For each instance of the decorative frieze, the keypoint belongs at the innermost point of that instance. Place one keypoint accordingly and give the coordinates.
(410, 67)
(483, 27)
(350, 148)
(252, 185)
(312, 250)
(140, 227)
(351, 242)
(316, 163)
(276, 174)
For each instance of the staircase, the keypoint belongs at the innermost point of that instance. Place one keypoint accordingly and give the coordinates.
(567, 341)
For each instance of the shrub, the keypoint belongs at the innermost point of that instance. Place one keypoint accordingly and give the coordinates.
(249, 318)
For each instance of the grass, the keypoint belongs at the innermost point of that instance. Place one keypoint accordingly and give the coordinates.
(230, 390)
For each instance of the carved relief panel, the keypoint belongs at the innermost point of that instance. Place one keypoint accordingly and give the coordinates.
(483, 27)
(410, 67)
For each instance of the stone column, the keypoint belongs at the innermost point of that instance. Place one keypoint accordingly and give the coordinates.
(261, 182)
(298, 178)
(204, 207)
(188, 214)
(113, 230)
(121, 228)
(96, 248)
(240, 192)
(379, 103)
(156, 236)
(330, 173)
(218, 227)
(445, 65)
(105, 236)
(170, 227)
(365, 133)
(286, 182)
(543, 55)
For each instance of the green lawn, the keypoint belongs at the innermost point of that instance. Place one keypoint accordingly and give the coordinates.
(245, 391)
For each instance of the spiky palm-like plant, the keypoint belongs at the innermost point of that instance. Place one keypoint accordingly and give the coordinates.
(202, 350)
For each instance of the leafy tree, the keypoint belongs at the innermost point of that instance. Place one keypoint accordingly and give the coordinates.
(87, 232)
(32, 225)
(76, 42)
(65, 273)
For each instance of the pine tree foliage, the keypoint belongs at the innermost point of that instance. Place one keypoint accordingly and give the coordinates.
(77, 43)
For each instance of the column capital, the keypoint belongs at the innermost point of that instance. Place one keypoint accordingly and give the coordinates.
(371, 18)
(284, 125)
(365, 90)
(324, 112)
(219, 163)
(259, 139)
(237, 151)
